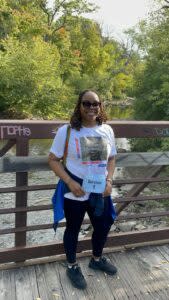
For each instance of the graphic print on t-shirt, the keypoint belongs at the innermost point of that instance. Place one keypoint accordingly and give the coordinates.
(93, 149)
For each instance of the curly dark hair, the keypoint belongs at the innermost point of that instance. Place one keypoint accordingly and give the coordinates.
(76, 120)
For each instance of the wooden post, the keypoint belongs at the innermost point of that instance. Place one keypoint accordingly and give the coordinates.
(22, 149)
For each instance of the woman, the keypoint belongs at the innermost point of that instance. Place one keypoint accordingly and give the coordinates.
(90, 165)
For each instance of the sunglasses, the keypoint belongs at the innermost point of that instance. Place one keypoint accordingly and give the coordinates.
(88, 104)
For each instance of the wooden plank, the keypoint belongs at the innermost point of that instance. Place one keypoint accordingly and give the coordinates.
(140, 276)
(97, 287)
(113, 240)
(33, 282)
(7, 285)
(44, 293)
(164, 250)
(39, 163)
(12, 287)
(67, 290)
(53, 284)
(163, 263)
(143, 274)
(130, 279)
(149, 260)
(25, 282)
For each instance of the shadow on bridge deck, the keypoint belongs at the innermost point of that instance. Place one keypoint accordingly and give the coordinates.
(143, 273)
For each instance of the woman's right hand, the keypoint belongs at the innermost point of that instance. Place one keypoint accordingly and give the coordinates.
(75, 188)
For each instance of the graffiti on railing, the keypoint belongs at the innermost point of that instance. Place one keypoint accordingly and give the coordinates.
(162, 131)
(147, 131)
(14, 130)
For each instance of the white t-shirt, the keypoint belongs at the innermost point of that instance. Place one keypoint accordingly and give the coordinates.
(88, 150)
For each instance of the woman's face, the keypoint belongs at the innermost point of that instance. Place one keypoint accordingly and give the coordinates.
(89, 108)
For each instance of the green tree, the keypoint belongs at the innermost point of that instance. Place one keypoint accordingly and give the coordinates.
(29, 77)
(152, 79)
(49, 54)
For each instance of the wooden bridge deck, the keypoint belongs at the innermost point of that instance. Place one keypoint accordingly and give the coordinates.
(143, 273)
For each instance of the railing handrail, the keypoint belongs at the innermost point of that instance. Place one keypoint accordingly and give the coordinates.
(40, 163)
(31, 129)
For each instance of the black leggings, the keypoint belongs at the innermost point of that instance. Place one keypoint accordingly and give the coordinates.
(74, 214)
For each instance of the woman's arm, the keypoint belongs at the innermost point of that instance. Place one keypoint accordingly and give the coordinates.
(57, 167)
(110, 169)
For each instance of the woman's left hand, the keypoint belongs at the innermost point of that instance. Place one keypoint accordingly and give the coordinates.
(108, 189)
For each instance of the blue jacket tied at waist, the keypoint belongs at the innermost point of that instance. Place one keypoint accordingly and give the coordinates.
(95, 200)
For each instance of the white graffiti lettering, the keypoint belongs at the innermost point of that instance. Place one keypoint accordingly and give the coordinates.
(162, 131)
(14, 130)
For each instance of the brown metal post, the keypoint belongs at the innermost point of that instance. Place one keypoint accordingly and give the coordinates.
(9, 145)
(138, 188)
(22, 149)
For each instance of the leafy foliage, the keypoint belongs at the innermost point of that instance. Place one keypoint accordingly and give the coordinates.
(49, 54)
(151, 87)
